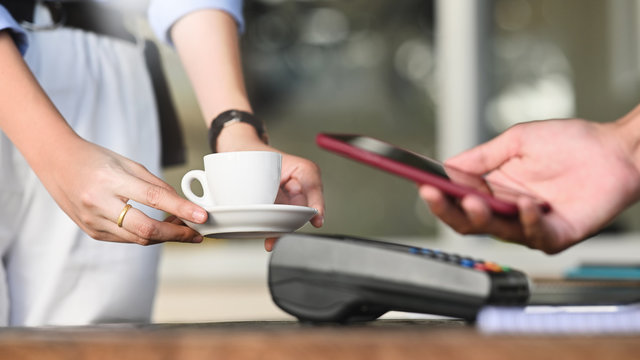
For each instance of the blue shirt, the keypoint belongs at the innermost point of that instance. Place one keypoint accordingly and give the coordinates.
(18, 34)
(162, 15)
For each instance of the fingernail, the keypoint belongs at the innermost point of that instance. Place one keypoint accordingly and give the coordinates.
(198, 239)
(199, 216)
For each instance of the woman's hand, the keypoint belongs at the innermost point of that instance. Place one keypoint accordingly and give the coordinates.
(90, 183)
(300, 182)
(94, 186)
(208, 45)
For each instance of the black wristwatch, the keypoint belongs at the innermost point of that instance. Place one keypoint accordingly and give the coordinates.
(230, 117)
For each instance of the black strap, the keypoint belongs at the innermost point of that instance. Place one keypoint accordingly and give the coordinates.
(21, 10)
(173, 148)
(229, 116)
(95, 17)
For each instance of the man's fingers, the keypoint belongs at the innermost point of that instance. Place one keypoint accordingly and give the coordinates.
(538, 228)
(471, 216)
(442, 207)
(477, 211)
(484, 221)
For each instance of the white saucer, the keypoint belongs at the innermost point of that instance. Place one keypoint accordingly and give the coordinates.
(253, 221)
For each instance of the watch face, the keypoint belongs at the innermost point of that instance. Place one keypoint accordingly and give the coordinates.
(231, 122)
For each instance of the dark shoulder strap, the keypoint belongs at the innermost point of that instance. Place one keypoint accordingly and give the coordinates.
(21, 10)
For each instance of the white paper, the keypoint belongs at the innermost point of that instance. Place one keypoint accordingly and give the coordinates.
(599, 319)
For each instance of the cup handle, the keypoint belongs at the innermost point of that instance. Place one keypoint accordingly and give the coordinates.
(187, 179)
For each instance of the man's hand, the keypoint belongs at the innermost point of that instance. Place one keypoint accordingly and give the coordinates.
(583, 169)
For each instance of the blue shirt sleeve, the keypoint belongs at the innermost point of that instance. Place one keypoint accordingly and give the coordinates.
(19, 35)
(164, 13)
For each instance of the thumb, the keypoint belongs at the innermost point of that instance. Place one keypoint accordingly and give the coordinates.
(490, 155)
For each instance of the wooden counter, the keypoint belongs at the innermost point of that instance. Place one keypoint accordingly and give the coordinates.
(383, 339)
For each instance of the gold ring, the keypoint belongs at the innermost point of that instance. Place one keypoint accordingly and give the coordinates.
(122, 214)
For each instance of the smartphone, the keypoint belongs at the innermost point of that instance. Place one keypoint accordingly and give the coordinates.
(424, 170)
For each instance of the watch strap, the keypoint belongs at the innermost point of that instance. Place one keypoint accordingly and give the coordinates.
(230, 117)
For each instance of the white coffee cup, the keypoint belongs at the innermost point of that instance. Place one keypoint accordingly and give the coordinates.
(236, 178)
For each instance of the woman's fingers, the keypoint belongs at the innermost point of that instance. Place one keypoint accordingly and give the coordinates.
(122, 222)
(301, 184)
(162, 198)
(270, 243)
(141, 229)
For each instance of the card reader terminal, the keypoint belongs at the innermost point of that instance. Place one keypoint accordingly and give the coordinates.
(336, 278)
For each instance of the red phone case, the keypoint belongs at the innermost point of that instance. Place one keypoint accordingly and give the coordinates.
(327, 142)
